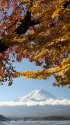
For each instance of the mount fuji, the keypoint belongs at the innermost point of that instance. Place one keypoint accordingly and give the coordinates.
(37, 103)
(37, 96)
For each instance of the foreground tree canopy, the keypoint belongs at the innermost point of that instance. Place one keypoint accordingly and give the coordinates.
(38, 30)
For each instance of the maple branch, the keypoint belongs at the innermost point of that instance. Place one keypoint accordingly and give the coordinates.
(21, 29)
(66, 4)
(2, 46)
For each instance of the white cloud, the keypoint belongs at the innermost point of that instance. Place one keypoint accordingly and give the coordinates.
(31, 108)
(33, 103)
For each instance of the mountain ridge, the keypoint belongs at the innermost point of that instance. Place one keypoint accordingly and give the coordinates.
(37, 95)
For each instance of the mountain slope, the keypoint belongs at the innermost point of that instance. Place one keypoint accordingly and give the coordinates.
(37, 95)
(2, 118)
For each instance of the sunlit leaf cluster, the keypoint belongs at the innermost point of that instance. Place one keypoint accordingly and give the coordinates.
(47, 43)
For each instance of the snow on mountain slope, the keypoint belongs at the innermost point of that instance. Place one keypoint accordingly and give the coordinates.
(37, 95)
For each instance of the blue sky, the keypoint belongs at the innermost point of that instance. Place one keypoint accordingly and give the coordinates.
(22, 87)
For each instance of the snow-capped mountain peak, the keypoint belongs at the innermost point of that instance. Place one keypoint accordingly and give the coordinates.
(37, 96)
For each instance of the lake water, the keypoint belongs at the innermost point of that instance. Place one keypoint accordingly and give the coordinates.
(36, 123)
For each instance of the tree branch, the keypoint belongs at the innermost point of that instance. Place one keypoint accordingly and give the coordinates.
(26, 23)
(21, 29)
(66, 4)
(2, 46)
